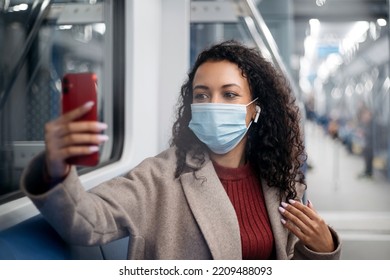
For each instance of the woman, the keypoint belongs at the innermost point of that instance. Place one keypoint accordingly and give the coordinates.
(228, 188)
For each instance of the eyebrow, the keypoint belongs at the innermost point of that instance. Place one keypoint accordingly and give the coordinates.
(200, 87)
(224, 86)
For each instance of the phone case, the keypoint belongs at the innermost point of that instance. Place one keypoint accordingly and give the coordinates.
(78, 89)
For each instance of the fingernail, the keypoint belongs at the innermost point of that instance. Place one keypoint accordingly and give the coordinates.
(292, 201)
(283, 221)
(309, 202)
(102, 126)
(282, 210)
(94, 148)
(89, 104)
(102, 137)
(284, 204)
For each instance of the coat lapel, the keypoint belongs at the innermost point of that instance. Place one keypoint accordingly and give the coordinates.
(213, 212)
(272, 202)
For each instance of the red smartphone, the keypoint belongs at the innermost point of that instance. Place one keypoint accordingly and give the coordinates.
(78, 89)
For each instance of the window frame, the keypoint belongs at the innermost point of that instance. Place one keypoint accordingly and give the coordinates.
(115, 39)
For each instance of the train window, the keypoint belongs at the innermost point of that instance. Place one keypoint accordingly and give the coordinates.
(40, 42)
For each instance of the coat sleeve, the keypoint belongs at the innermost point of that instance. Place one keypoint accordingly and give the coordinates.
(109, 211)
(301, 252)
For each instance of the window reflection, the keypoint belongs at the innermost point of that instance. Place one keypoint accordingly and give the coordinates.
(40, 42)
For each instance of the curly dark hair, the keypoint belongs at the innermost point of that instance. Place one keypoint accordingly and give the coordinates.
(275, 147)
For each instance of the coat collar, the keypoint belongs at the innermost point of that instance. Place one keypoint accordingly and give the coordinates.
(212, 210)
(218, 222)
(272, 203)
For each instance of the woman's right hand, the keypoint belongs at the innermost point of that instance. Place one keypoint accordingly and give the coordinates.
(65, 137)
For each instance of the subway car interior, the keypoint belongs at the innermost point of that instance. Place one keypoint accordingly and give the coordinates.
(334, 53)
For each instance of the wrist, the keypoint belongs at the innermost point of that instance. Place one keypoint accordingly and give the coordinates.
(51, 181)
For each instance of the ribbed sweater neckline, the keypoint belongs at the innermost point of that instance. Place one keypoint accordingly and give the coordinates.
(230, 173)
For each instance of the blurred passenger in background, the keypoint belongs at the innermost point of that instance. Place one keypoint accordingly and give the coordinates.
(333, 128)
(230, 186)
(311, 114)
(367, 127)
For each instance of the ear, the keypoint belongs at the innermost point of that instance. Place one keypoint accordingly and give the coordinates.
(258, 110)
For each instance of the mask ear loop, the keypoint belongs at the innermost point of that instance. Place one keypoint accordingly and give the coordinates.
(258, 110)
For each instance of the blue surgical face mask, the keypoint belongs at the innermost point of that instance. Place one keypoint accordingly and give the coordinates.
(220, 126)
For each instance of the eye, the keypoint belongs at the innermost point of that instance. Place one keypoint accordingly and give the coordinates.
(200, 97)
(230, 95)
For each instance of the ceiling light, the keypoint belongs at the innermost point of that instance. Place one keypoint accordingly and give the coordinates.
(386, 84)
(356, 35)
(65, 27)
(100, 28)
(359, 88)
(315, 25)
(368, 85)
(336, 93)
(381, 22)
(18, 8)
(320, 3)
(349, 90)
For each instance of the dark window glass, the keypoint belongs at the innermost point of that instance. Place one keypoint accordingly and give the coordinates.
(40, 42)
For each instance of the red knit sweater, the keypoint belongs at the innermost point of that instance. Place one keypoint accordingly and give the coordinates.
(244, 190)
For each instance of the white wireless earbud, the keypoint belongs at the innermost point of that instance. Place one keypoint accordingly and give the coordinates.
(258, 110)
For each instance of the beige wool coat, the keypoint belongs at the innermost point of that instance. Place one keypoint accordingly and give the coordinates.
(166, 218)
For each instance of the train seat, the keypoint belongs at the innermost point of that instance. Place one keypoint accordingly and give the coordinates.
(35, 239)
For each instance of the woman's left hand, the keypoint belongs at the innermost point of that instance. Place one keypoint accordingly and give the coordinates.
(307, 225)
